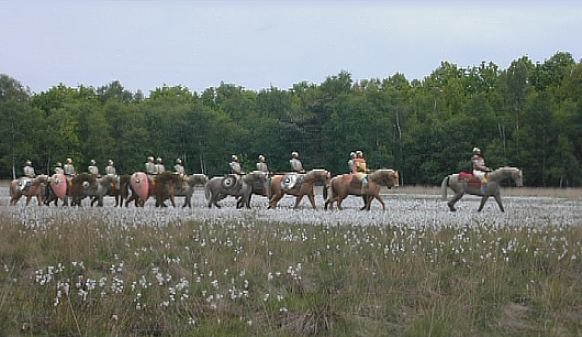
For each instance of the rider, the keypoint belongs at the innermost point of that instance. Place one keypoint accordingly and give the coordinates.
(360, 163)
(59, 168)
(261, 165)
(179, 167)
(150, 168)
(351, 167)
(296, 165)
(29, 170)
(93, 169)
(69, 168)
(110, 169)
(235, 166)
(160, 168)
(479, 169)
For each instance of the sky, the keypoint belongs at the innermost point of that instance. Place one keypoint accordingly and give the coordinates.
(260, 44)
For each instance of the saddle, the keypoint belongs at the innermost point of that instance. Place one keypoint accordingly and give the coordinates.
(358, 181)
(469, 178)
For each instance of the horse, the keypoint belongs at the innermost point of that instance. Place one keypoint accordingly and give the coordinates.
(302, 184)
(61, 187)
(350, 184)
(104, 186)
(28, 187)
(218, 188)
(472, 185)
(186, 189)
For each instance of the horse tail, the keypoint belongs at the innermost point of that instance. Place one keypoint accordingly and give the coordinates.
(444, 186)
(325, 192)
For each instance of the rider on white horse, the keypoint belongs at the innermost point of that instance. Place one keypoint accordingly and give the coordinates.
(235, 166)
(179, 167)
(479, 168)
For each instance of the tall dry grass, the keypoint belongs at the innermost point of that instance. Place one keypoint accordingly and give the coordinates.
(87, 277)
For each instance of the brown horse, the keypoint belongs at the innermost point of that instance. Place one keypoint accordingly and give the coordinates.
(303, 185)
(75, 189)
(163, 188)
(350, 184)
(28, 187)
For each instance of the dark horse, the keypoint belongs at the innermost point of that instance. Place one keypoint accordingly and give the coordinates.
(75, 189)
(473, 186)
(348, 184)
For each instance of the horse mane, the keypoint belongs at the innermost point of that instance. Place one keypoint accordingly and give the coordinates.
(381, 173)
(502, 171)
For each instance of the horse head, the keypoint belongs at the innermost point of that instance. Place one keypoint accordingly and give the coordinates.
(390, 176)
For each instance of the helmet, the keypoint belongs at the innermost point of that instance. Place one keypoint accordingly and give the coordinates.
(28, 162)
(160, 160)
(295, 155)
(150, 158)
(234, 157)
(352, 155)
(476, 150)
(179, 161)
(69, 161)
(261, 158)
(59, 164)
(110, 162)
(93, 162)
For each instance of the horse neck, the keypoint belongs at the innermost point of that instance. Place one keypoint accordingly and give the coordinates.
(501, 173)
(313, 176)
(378, 176)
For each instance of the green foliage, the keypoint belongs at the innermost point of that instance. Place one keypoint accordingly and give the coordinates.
(528, 115)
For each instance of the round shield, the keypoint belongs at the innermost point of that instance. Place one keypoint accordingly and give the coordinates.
(59, 185)
(228, 182)
(139, 183)
(288, 181)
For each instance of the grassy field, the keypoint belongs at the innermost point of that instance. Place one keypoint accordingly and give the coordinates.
(86, 276)
(415, 270)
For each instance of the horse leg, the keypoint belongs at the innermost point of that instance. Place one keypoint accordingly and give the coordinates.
(297, 201)
(274, 200)
(498, 199)
(365, 198)
(483, 200)
(453, 200)
(380, 200)
(312, 200)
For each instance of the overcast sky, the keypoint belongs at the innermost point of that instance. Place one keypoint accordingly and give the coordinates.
(258, 44)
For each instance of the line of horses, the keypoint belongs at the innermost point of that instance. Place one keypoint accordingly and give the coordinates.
(138, 187)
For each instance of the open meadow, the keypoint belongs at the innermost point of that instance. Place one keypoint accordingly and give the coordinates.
(413, 270)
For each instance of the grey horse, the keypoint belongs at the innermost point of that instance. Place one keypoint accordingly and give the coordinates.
(218, 188)
(186, 189)
(101, 188)
(473, 186)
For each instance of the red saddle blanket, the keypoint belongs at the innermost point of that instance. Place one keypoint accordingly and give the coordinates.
(469, 178)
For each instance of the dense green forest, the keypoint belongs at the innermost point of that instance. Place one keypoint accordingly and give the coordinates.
(528, 115)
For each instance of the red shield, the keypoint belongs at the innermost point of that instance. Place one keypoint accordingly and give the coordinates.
(140, 184)
(59, 185)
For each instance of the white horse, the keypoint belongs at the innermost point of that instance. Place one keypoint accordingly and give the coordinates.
(473, 186)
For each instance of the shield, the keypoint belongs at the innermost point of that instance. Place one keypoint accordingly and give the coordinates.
(59, 185)
(229, 181)
(140, 184)
(24, 183)
(288, 181)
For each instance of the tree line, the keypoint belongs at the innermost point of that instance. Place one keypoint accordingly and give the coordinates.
(528, 115)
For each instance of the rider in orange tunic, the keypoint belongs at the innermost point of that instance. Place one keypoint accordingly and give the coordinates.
(478, 163)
